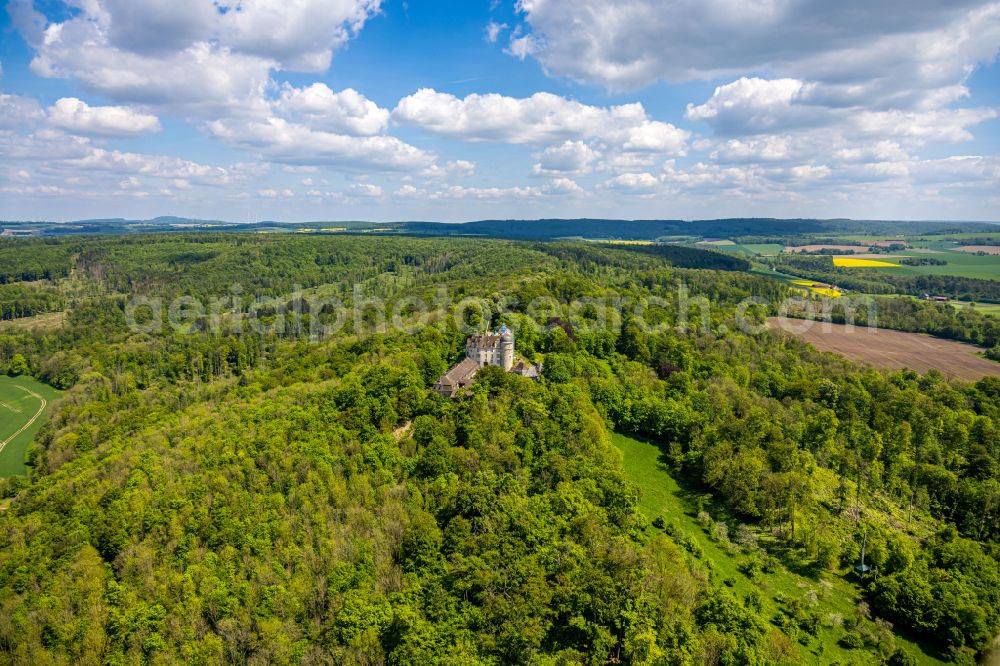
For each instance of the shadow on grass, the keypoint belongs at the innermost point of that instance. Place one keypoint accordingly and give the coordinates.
(694, 494)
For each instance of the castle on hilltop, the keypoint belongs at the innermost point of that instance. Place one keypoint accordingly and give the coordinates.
(490, 348)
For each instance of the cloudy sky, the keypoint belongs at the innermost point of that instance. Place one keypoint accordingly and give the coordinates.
(421, 109)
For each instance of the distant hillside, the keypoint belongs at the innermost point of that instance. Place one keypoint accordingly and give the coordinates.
(652, 229)
(676, 255)
(542, 229)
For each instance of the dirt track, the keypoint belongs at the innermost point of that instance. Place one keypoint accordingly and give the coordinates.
(896, 350)
(27, 425)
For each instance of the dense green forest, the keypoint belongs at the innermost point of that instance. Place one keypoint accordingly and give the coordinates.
(17, 301)
(254, 495)
(27, 260)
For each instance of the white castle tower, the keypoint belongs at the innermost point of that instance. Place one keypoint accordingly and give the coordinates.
(489, 348)
(506, 348)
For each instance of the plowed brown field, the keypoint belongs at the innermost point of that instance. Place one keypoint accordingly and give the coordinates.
(895, 350)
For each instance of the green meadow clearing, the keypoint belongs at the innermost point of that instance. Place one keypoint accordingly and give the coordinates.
(24, 406)
(960, 264)
(831, 595)
(756, 249)
(991, 309)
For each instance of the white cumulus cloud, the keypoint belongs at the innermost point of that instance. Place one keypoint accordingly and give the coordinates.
(75, 115)
(635, 183)
(633, 43)
(543, 118)
(279, 140)
(347, 111)
(199, 55)
(17, 112)
(567, 157)
(755, 105)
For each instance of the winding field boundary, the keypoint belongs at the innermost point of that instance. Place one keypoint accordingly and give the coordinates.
(27, 425)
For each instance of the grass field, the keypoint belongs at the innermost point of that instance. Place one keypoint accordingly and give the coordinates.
(991, 309)
(24, 406)
(963, 236)
(871, 240)
(754, 249)
(960, 264)
(46, 322)
(816, 247)
(662, 496)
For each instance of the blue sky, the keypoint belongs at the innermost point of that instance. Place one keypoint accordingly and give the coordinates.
(387, 110)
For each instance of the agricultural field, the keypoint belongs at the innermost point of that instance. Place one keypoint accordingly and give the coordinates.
(960, 264)
(976, 249)
(956, 237)
(817, 288)
(991, 309)
(869, 241)
(895, 350)
(661, 496)
(799, 284)
(24, 406)
(761, 249)
(870, 255)
(796, 249)
(851, 262)
(962, 259)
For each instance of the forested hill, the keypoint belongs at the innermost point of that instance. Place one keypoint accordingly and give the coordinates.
(224, 493)
(672, 255)
(652, 229)
(542, 229)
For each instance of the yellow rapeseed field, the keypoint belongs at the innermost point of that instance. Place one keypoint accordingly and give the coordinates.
(847, 262)
(822, 291)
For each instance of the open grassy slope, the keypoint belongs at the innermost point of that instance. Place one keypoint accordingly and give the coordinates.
(24, 405)
(835, 596)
